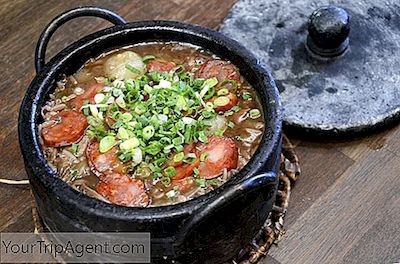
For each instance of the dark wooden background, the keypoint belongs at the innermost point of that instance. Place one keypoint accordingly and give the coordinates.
(345, 207)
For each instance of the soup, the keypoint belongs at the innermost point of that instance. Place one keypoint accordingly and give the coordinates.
(151, 124)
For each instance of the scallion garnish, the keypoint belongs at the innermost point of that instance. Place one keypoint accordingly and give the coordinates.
(132, 69)
(170, 171)
(254, 113)
(74, 148)
(151, 118)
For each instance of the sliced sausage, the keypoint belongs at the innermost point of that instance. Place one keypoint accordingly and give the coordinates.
(88, 95)
(233, 100)
(222, 70)
(183, 169)
(160, 66)
(222, 153)
(184, 185)
(103, 163)
(69, 128)
(123, 190)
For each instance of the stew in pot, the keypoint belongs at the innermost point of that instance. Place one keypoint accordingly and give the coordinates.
(150, 125)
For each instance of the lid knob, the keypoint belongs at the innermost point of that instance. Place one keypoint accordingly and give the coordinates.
(328, 32)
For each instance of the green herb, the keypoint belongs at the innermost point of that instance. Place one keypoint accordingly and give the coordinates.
(166, 181)
(179, 157)
(218, 132)
(232, 83)
(74, 148)
(221, 101)
(129, 144)
(148, 132)
(246, 96)
(231, 124)
(107, 143)
(148, 58)
(132, 69)
(170, 171)
(202, 137)
(254, 113)
(214, 182)
(203, 156)
(223, 91)
(178, 141)
(200, 182)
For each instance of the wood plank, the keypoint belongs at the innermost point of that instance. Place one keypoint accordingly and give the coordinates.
(338, 221)
(321, 166)
(356, 149)
(379, 244)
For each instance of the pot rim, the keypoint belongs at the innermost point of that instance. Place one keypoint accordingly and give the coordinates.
(30, 109)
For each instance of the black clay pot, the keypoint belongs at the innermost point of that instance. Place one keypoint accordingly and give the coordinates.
(208, 229)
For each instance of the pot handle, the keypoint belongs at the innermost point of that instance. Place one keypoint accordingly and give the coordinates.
(65, 17)
(261, 186)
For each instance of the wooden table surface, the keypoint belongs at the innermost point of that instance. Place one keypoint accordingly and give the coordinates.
(345, 207)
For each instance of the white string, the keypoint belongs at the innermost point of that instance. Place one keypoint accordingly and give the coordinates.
(14, 182)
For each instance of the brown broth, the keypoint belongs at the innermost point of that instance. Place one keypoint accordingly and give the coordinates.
(247, 132)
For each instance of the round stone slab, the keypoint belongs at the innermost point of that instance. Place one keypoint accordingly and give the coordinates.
(353, 93)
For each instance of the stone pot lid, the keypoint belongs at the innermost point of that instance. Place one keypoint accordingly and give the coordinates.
(337, 65)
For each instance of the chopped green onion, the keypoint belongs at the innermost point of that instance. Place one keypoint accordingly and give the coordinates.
(74, 148)
(132, 69)
(122, 133)
(148, 132)
(137, 155)
(99, 98)
(190, 158)
(210, 93)
(178, 141)
(203, 156)
(126, 117)
(179, 148)
(107, 143)
(165, 181)
(233, 83)
(221, 101)
(211, 82)
(129, 144)
(200, 182)
(202, 137)
(223, 91)
(214, 182)
(153, 148)
(93, 110)
(179, 157)
(254, 113)
(231, 124)
(246, 96)
(140, 109)
(148, 58)
(181, 103)
(120, 101)
(218, 132)
(235, 108)
(170, 171)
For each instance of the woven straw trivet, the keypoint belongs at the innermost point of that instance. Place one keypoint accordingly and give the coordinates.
(272, 231)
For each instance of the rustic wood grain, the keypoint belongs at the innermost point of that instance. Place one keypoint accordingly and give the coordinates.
(345, 207)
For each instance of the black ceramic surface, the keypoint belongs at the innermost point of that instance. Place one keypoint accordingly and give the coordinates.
(348, 95)
(207, 229)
